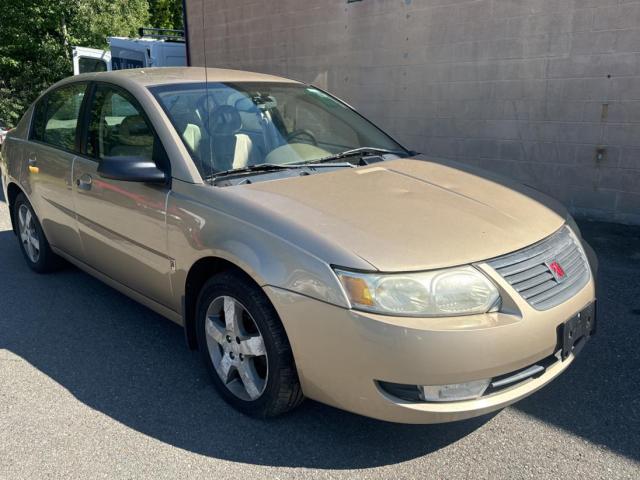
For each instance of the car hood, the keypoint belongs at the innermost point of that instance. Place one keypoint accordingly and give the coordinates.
(412, 214)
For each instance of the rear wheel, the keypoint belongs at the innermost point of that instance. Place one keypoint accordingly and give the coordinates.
(34, 245)
(245, 348)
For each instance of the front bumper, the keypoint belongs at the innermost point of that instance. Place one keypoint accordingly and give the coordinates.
(341, 354)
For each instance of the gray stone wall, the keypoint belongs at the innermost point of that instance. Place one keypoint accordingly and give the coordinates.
(528, 88)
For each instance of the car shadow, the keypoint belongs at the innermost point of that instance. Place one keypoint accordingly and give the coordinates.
(129, 363)
(598, 397)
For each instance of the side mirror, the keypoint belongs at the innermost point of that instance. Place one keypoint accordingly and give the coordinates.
(130, 169)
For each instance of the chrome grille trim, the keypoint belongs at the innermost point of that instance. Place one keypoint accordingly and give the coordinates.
(528, 273)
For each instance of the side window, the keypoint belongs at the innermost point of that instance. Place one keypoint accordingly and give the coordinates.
(56, 116)
(118, 127)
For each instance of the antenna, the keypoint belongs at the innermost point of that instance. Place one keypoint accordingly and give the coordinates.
(206, 89)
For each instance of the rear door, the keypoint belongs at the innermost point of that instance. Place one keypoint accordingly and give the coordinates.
(51, 150)
(122, 224)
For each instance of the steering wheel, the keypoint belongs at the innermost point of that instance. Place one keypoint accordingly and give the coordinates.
(303, 132)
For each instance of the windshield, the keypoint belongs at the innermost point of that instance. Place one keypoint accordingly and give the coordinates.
(227, 126)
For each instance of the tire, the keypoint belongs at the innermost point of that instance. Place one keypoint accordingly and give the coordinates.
(42, 259)
(273, 374)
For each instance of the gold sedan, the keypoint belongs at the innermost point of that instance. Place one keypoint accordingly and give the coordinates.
(305, 252)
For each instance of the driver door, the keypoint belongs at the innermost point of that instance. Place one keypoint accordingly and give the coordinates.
(122, 223)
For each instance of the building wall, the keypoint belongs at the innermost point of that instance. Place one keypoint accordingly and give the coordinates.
(528, 88)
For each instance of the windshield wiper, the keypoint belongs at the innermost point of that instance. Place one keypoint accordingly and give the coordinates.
(272, 167)
(358, 151)
(263, 167)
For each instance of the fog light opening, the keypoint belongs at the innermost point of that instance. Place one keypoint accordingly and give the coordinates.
(454, 392)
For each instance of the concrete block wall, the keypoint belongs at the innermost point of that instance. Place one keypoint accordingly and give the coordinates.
(527, 88)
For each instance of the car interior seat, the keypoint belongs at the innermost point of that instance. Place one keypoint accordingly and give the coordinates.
(192, 136)
(231, 149)
(134, 139)
(249, 113)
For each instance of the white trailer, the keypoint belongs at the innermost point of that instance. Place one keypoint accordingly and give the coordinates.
(90, 60)
(150, 50)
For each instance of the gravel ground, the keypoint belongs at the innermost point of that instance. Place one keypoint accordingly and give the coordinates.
(93, 385)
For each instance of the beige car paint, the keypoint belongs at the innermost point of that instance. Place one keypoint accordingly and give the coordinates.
(465, 218)
(52, 192)
(339, 353)
(401, 215)
(122, 226)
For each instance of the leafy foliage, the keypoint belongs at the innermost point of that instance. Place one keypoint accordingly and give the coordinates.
(32, 52)
(36, 39)
(95, 20)
(166, 14)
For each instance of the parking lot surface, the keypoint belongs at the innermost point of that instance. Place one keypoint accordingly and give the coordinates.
(93, 385)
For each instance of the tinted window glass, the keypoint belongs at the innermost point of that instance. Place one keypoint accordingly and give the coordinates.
(39, 116)
(56, 116)
(88, 65)
(118, 126)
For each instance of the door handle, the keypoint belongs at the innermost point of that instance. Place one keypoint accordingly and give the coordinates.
(84, 182)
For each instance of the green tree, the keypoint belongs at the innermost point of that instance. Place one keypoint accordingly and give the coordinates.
(166, 14)
(36, 40)
(95, 20)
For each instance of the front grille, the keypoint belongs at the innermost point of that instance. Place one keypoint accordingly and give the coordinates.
(528, 271)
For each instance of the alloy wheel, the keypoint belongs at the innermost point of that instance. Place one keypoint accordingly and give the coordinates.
(28, 233)
(236, 348)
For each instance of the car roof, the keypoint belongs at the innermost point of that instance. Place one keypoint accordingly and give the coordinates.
(169, 75)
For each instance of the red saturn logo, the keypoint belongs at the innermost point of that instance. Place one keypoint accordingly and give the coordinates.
(557, 271)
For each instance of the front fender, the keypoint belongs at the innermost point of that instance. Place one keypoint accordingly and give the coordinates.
(197, 229)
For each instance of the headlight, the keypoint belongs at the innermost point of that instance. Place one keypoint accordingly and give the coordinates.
(454, 291)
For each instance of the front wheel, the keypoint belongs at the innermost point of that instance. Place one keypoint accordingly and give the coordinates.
(245, 348)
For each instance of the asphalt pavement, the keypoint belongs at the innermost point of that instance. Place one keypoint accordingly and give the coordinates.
(93, 385)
